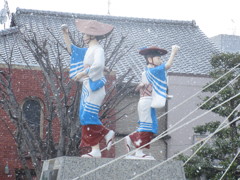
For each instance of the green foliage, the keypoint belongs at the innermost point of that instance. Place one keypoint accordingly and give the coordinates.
(221, 64)
(215, 156)
(208, 127)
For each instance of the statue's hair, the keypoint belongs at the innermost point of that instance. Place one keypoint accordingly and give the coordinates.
(151, 55)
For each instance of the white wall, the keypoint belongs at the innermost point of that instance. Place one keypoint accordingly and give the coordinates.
(183, 87)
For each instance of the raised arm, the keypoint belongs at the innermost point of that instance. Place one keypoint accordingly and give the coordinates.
(66, 37)
(169, 63)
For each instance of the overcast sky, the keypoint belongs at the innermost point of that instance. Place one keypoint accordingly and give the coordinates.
(212, 16)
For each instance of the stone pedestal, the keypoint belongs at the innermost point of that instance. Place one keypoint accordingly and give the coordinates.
(70, 168)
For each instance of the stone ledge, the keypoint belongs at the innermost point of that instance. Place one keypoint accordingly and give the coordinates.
(69, 168)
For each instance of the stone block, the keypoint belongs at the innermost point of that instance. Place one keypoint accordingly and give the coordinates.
(72, 168)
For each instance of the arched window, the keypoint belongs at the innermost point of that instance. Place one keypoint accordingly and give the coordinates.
(32, 113)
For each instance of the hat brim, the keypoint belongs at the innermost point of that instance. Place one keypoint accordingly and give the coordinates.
(151, 50)
(93, 28)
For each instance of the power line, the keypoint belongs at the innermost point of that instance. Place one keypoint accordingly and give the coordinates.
(230, 165)
(164, 133)
(150, 169)
(200, 91)
(185, 102)
(209, 137)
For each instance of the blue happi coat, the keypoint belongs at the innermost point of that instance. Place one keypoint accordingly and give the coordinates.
(93, 92)
(146, 107)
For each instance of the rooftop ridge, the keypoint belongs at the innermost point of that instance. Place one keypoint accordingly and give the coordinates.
(229, 35)
(109, 17)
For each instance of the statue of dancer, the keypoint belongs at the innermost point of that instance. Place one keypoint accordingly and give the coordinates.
(87, 66)
(153, 94)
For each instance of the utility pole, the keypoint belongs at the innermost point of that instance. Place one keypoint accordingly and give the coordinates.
(234, 28)
(109, 3)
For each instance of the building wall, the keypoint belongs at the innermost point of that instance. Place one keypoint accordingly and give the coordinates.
(183, 87)
(227, 43)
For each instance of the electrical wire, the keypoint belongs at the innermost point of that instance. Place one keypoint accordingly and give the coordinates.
(155, 139)
(190, 147)
(164, 133)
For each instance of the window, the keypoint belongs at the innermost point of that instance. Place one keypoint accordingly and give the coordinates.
(198, 137)
(32, 113)
(20, 174)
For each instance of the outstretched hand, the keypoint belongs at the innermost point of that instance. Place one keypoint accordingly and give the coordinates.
(106, 69)
(175, 48)
(139, 86)
(64, 28)
(79, 76)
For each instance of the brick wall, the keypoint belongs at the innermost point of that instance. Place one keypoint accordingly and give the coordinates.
(25, 85)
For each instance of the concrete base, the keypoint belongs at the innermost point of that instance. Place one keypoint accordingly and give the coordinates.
(69, 168)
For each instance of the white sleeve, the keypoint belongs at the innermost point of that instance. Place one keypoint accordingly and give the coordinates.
(95, 71)
(144, 78)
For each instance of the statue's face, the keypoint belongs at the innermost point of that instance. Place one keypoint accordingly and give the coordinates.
(157, 60)
(86, 39)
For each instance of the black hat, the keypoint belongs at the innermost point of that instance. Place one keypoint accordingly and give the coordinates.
(153, 50)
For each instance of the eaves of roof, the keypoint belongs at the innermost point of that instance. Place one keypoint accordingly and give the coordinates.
(9, 31)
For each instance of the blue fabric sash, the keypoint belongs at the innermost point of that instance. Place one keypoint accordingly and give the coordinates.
(95, 85)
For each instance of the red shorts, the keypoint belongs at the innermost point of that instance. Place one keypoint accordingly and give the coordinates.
(92, 135)
(141, 138)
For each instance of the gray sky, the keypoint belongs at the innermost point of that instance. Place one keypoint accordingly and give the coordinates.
(212, 16)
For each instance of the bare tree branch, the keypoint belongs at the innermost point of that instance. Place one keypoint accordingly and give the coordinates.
(60, 96)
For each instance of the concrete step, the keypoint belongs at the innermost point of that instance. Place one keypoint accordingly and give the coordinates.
(69, 168)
